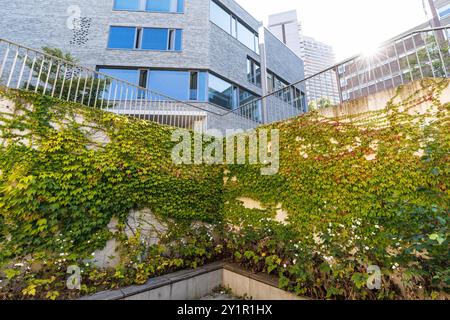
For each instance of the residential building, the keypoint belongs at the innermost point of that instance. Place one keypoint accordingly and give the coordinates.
(205, 52)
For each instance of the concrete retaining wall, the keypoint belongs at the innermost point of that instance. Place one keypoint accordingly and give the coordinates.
(198, 283)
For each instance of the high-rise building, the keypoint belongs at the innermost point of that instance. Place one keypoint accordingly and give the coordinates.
(286, 27)
(316, 55)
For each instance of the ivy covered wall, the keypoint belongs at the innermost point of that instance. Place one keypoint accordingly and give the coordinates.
(66, 171)
(363, 190)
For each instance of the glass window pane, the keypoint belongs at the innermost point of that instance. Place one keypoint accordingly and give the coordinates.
(127, 4)
(220, 92)
(246, 97)
(178, 39)
(246, 36)
(154, 39)
(118, 90)
(202, 81)
(250, 105)
(174, 84)
(162, 5)
(193, 88)
(122, 37)
(250, 71)
(220, 17)
(257, 74)
(233, 27)
(180, 6)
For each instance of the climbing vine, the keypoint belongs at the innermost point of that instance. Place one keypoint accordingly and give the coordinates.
(364, 190)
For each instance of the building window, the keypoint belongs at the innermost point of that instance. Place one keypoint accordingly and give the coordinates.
(229, 96)
(193, 86)
(181, 85)
(156, 39)
(122, 38)
(254, 72)
(145, 38)
(220, 92)
(174, 84)
(250, 105)
(220, 17)
(444, 12)
(246, 37)
(127, 5)
(150, 5)
(234, 27)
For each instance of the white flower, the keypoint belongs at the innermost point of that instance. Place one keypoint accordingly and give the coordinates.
(93, 253)
(366, 247)
(377, 226)
(284, 265)
(19, 265)
(295, 261)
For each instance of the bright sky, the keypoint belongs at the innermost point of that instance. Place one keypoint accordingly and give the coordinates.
(350, 26)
